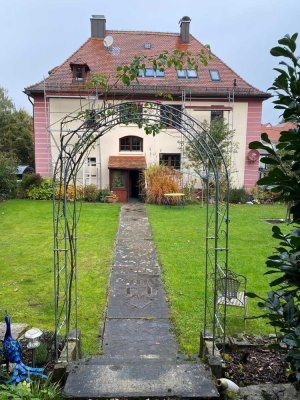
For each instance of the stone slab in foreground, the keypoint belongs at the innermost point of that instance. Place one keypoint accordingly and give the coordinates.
(140, 379)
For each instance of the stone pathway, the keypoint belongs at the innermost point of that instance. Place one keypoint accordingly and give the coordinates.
(140, 352)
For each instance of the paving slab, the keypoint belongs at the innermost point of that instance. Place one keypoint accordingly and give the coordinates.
(136, 295)
(17, 330)
(134, 338)
(140, 379)
(138, 251)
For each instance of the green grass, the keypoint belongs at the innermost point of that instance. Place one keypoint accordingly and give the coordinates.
(26, 264)
(179, 234)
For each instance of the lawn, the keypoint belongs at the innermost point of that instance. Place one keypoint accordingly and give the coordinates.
(179, 234)
(26, 264)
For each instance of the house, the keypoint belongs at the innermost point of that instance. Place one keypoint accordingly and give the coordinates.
(119, 156)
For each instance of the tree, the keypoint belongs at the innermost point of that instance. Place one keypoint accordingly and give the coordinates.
(8, 180)
(282, 306)
(221, 134)
(16, 131)
(6, 104)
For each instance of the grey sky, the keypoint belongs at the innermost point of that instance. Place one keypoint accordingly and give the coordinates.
(38, 35)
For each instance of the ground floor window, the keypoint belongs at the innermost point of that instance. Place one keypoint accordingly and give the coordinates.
(170, 160)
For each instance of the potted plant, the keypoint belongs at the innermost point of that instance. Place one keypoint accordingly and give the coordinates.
(111, 198)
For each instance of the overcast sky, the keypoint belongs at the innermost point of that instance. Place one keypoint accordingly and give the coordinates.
(38, 35)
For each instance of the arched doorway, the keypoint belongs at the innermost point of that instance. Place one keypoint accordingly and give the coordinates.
(77, 136)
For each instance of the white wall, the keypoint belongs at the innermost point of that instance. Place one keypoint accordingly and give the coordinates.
(167, 141)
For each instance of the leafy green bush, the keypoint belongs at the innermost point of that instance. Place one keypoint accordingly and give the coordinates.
(102, 193)
(90, 193)
(8, 177)
(238, 196)
(42, 192)
(27, 182)
(282, 306)
(262, 196)
(36, 390)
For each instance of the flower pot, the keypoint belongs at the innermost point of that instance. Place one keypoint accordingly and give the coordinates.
(111, 199)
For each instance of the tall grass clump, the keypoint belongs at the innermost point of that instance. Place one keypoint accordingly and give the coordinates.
(160, 179)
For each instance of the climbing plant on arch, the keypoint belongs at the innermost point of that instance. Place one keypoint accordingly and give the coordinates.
(78, 134)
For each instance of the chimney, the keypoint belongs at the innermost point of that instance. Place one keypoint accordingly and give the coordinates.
(185, 29)
(98, 26)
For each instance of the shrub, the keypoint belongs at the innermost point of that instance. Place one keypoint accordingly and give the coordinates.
(36, 390)
(238, 195)
(102, 193)
(282, 305)
(90, 193)
(189, 191)
(160, 179)
(8, 178)
(71, 191)
(262, 196)
(42, 192)
(27, 182)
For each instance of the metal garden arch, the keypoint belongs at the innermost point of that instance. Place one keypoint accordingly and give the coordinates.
(77, 136)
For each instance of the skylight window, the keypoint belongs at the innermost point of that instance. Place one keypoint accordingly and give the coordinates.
(181, 73)
(151, 73)
(187, 74)
(214, 75)
(159, 74)
(147, 45)
(191, 73)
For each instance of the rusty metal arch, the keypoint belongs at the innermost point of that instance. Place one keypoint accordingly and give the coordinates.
(78, 133)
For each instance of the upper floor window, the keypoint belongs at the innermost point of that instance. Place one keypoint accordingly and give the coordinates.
(79, 71)
(131, 113)
(214, 75)
(187, 73)
(151, 73)
(131, 143)
(170, 115)
(216, 114)
(170, 160)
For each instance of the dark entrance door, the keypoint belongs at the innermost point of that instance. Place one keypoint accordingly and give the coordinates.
(134, 183)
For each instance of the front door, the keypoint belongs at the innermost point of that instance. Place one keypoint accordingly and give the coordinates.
(134, 183)
(119, 184)
(125, 184)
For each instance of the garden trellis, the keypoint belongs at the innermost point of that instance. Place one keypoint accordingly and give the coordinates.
(78, 133)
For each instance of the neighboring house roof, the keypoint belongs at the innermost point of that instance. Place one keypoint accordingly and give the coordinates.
(126, 45)
(127, 162)
(274, 131)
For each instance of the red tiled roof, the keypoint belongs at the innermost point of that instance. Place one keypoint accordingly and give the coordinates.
(126, 45)
(274, 131)
(127, 162)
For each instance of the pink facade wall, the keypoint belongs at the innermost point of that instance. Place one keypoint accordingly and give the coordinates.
(253, 133)
(41, 138)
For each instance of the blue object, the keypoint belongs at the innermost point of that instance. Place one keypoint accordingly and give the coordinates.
(12, 351)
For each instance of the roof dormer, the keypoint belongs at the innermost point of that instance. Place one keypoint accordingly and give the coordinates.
(79, 71)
